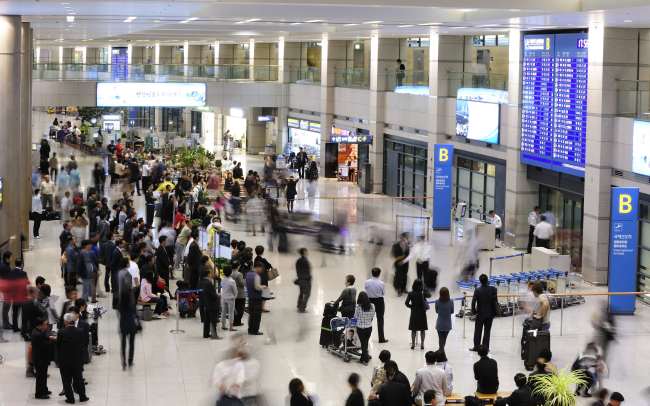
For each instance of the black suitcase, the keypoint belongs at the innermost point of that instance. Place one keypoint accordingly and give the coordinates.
(52, 215)
(430, 277)
(535, 341)
(329, 312)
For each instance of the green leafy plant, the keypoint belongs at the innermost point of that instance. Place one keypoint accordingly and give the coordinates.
(558, 389)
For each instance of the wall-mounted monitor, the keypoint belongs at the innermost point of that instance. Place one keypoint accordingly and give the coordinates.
(136, 94)
(476, 120)
(641, 148)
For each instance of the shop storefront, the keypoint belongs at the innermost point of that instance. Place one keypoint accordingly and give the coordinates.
(405, 169)
(303, 134)
(346, 153)
(480, 184)
(235, 128)
(561, 200)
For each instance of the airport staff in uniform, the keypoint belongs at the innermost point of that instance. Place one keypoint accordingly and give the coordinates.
(495, 220)
(484, 305)
(533, 219)
(374, 287)
(543, 233)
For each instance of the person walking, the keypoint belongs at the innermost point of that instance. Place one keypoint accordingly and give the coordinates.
(444, 309)
(484, 305)
(69, 342)
(401, 250)
(209, 301)
(42, 355)
(301, 161)
(37, 213)
(128, 317)
(374, 287)
(364, 313)
(255, 300)
(533, 219)
(291, 193)
(228, 297)
(303, 280)
(418, 319)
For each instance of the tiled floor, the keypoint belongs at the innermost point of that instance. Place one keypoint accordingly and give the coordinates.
(173, 369)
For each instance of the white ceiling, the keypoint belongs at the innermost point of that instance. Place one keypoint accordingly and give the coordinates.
(101, 21)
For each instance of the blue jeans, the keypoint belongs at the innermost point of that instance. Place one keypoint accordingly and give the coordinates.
(87, 284)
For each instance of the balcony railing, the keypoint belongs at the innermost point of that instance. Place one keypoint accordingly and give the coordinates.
(633, 98)
(305, 76)
(459, 80)
(352, 77)
(412, 82)
(153, 72)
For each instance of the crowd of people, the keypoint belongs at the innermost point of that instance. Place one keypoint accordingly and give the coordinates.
(106, 249)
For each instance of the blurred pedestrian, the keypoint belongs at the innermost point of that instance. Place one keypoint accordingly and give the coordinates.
(356, 396)
(400, 251)
(303, 280)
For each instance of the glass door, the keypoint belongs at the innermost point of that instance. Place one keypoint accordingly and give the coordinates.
(564, 211)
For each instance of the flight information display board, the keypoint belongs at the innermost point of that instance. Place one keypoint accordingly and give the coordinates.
(554, 101)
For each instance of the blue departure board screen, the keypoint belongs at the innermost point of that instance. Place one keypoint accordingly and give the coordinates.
(554, 101)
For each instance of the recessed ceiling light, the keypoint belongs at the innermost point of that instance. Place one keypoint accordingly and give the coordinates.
(406, 26)
(514, 10)
(189, 19)
(373, 22)
(428, 24)
(350, 24)
(314, 21)
(295, 24)
(467, 10)
(627, 21)
(488, 25)
(458, 28)
(156, 21)
(70, 19)
(65, 4)
(130, 19)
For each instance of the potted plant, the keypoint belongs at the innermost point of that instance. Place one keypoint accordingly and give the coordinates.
(558, 389)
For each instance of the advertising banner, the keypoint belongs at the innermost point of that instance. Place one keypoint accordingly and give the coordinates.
(442, 179)
(136, 94)
(623, 248)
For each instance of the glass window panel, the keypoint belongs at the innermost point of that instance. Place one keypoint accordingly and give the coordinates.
(645, 259)
(478, 166)
(477, 203)
(645, 234)
(408, 162)
(464, 163)
(491, 170)
(478, 182)
(489, 186)
(421, 165)
(464, 178)
(421, 152)
(463, 195)
(408, 183)
(489, 203)
(398, 147)
(408, 149)
(644, 212)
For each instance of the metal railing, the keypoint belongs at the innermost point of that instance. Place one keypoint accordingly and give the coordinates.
(305, 76)
(633, 98)
(352, 77)
(407, 81)
(459, 80)
(154, 73)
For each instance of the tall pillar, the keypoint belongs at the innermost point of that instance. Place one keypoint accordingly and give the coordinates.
(25, 161)
(251, 59)
(326, 97)
(157, 119)
(10, 92)
(283, 76)
(187, 122)
(521, 194)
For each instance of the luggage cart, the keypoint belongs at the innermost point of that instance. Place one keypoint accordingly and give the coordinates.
(345, 342)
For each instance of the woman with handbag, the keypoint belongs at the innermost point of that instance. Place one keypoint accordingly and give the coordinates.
(417, 302)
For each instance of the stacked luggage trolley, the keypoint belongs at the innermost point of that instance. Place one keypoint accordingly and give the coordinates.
(339, 334)
(512, 288)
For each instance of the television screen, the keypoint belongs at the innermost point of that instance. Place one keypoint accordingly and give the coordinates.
(477, 120)
(641, 148)
(134, 94)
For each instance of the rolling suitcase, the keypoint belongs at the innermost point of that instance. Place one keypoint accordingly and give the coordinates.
(329, 312)
(535, 341)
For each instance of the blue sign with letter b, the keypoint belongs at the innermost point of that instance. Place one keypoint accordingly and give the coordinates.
(623, 248)
(443, 163)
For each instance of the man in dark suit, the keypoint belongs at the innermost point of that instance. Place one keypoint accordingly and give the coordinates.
(484, 305)
(396, 391)
(70, 342)
(401, 250)
(486, 373)
(209, 301)
(42, 354)
(519, 397)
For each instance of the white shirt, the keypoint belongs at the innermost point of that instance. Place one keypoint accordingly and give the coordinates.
(146, 169)
(374, 288)
(134, 270)
(431, 377)
(543, 231)
(533, 218)
(37, 204)
(419, 252)
(446, 368)
(496, 221)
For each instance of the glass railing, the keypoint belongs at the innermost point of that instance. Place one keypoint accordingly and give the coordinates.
(305, 76)
(411, 82)
(633, 98)
(153, 73)
(459, 80)
(352, 77)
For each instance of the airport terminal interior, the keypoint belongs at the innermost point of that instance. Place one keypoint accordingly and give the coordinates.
(273, 202)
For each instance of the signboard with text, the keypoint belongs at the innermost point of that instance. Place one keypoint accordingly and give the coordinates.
(135, 94)
(623, 248)
(442, 178)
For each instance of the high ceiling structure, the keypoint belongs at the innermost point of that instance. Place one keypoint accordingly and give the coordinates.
(84, 22)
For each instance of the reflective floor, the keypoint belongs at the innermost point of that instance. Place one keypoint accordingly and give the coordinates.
(175, 369)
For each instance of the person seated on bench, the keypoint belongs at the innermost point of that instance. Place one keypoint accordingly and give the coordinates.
(147, 297)
(522, 396)
(486, 373)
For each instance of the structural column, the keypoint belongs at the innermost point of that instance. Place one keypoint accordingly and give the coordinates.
(251, 59)
(326, 97)
(10, 92)
(283, 112)
(521, 194)
(24, 170)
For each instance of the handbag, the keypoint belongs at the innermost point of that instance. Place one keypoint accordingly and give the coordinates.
(273, 273)
(227, 400)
